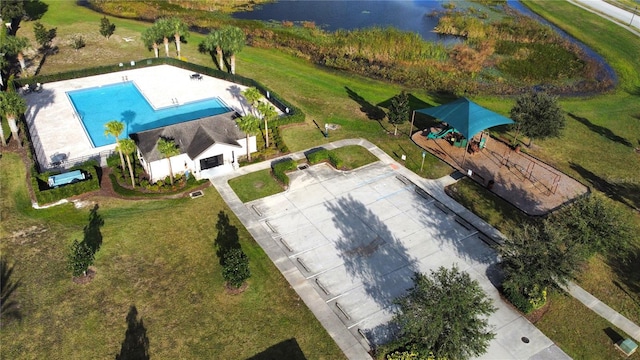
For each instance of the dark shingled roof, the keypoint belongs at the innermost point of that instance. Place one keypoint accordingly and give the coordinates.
(192, 137)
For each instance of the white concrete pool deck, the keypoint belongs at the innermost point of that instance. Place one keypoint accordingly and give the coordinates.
(58, 134)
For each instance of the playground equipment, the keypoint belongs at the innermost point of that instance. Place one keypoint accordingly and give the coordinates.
(441, 134)
(65, 178)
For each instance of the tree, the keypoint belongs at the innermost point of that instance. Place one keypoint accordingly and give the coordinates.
(597, 225)
(43, 35)
(115, 129)
(12, 11)
(232, 42)
(212, 43)
(444, 316)
(538, 116)
(152, 37)
(127, 147)
(535, 258)
(235, 267)
(399, 110)
(179, 30)
(164, 29)
(253, 97)
(106, 27)
(12, 105)
(79, 258)
(249, 124)
(268, 113)
(10, 46)
(168, 148)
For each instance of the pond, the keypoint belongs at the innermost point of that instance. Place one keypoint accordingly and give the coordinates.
(405, 15)
(332, 15)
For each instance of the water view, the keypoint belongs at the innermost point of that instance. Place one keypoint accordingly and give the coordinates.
(332, 15)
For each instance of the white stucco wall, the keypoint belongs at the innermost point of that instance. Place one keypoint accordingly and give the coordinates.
(159, 169)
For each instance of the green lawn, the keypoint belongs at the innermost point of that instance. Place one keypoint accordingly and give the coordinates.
(255, 185)
(156, 255)
(169, 270)
(354, 156)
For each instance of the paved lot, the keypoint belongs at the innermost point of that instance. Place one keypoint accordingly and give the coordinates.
(349, 242)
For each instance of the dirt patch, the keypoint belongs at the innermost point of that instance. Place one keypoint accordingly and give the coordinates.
(536, 315)
(230, 290)
(258, 185)
(85, 279)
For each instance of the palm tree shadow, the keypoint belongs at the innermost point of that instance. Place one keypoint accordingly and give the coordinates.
(227, 237)
(92, 234)
(287, 349)
(135, 345)
(9, 309)
(128, 118)
(372, 111)
(601, 130)
(236, 92)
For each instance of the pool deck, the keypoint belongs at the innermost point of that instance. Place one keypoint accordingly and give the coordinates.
(58, 135)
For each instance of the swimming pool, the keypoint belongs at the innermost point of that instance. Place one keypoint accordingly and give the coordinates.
(124, 102)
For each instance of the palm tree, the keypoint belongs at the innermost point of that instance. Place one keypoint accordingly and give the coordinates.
(249, 124)
(179, 29)
(10, 46)
(268, 113)
(151, 38)
(4, 141)
(212, 43)
(164, 29)
(168, 148)
(233, 40)
(128, 147)
(115, 128)
(12, 105)
(253, 97)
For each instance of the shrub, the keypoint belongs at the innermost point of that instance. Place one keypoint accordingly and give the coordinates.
(80, 257)
(335, 160)
(235, 267)
(280, 168)
(318, 156)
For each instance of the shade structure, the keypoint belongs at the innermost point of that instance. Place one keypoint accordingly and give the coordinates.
(466, 116)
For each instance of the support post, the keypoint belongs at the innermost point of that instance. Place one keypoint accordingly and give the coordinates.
(413, 116)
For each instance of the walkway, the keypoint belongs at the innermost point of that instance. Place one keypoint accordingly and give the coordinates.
(624, 18)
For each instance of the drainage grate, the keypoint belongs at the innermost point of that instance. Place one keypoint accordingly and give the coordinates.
(303, 166)
(196, 194)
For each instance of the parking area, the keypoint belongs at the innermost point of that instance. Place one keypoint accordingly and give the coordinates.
(354, 239)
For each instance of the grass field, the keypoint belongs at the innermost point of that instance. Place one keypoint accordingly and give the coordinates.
(255, 185)
(155, 255)
(169, 270)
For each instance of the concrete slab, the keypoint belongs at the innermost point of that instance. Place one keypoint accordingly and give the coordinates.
(356, 240)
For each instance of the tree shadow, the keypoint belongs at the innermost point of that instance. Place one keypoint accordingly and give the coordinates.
(35, 9)
(236, 92)
(627, 270)
(372, 256)
(414, 102)
(287, 349)
(227, 237)
(626, 193)
(372, 112)
(92, 234)
(9, 308)
(135, 345)
(128, 118)
(601, 130)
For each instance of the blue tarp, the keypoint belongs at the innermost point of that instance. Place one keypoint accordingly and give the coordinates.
(466, 116)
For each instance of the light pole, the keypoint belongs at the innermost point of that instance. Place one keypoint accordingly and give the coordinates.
(632, 15)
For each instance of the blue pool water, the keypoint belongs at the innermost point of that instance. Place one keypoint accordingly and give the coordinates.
(124, 102)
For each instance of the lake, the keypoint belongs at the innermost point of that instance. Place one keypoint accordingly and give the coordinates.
(407, 15)
(332, 15)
